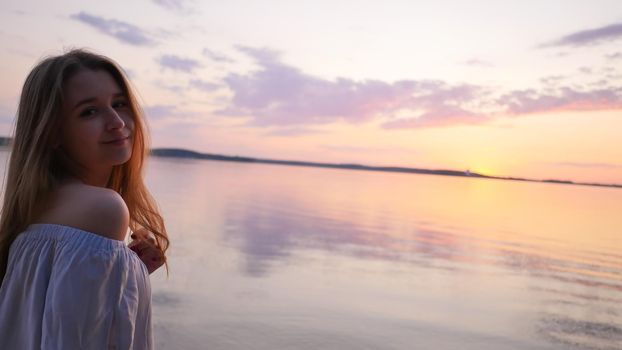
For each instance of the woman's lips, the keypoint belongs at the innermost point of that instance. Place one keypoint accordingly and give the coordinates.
(117, 142)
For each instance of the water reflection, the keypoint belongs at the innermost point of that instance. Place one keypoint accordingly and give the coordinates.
(580, 332)
(270, 238)
(266, 257)
(264, 235)
(266, 239)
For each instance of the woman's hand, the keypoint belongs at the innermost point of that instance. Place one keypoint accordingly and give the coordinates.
(144, 246)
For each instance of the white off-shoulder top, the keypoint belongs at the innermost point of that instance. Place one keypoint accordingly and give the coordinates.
(66, 288)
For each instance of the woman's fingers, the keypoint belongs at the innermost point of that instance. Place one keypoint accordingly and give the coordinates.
(152, 260)
(148, 253)
(142, 246)
(138, 247)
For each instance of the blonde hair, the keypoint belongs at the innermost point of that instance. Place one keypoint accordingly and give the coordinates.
(36, 167)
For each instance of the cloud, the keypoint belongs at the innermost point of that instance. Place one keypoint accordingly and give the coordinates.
(608, 69)
(204, 85)
(614, 56)
(122, 31)
(170, 4)
(177, 63)
(585, 70)
(588, 37)
(474, 62)
(602, 83)
(179, 6)
(439, 117)
(552, 79)
(173, 113)
(262, 55)
(217, 57)
(278, 94)
(529, 101)
(159, 112)
(292, 131)
(167, 85)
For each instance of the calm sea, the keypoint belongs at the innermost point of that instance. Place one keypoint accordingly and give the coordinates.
(277, 257)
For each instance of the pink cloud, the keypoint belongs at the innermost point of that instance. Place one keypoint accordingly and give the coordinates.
(279, 95)
(440, 117)
(292, 131)
(564, 99)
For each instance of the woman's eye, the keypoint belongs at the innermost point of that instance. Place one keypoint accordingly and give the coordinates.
(119, 104)
(88, 112)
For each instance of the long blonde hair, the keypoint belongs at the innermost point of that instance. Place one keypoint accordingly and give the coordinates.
(36, 167)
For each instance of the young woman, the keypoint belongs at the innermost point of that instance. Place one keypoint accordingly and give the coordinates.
(74, 188)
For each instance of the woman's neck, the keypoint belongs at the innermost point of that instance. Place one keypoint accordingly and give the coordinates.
(92, 179)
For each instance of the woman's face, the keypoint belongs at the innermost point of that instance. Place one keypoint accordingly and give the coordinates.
(98, 125)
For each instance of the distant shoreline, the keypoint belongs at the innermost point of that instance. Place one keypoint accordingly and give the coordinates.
(184, 153)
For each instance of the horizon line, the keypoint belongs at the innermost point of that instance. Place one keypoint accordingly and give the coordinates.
(173, 152)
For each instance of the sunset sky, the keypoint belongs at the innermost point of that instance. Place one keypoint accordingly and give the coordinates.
(509, 88)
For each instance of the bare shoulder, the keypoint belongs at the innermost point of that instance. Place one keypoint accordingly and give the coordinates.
(98, 210)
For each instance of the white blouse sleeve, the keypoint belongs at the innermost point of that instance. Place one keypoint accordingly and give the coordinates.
(71, 289)
(93, 301)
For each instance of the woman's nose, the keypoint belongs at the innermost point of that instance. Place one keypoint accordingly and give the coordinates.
(114, 121)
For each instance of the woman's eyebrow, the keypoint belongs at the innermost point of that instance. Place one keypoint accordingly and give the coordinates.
(84, 101)
(93, 99)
